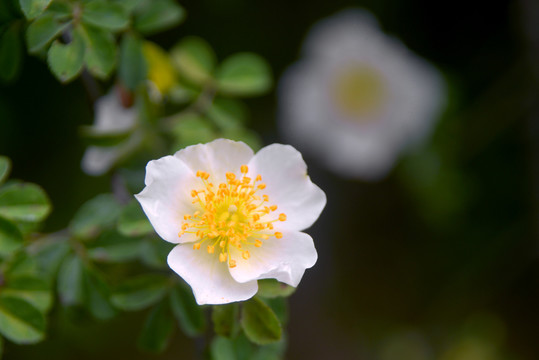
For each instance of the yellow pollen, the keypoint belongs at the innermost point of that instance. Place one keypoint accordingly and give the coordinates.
(231, 215)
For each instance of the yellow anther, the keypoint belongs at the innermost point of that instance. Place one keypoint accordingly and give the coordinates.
(230, 215)
(181, 233)
(278, 235)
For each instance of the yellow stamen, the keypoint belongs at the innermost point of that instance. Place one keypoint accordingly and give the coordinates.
(231, 215)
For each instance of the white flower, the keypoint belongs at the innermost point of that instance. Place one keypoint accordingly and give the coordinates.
(358, 97)
(236, 216)
(110, 118)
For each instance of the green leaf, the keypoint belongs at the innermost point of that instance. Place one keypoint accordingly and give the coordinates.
(190, 129)
(249, 137)
(21, 264)
(271, 288)
(133, 221)
(49, 252)
(24, 202)
(227, 114)
(238, 348)
(96, 295)
(112, 247)
(100, 54)
(1, 346)
(222, 349)
(10, 238)
(190, 316)
(154, 252)
(244, 74)
(133, 67)
(33, 289)
(225, 319)
(194, 59)
(94, 216)
(279, 305)
(20, 321)
(60, 10)
(106, 15)
(42, 31)
(10, 53)
(140, 292)
(98, 137)
(129, 5)
(66, 60)
(70, 281)
(157, 329)
(157, 15)
(33, 8)
(5, 168)
(259, 322)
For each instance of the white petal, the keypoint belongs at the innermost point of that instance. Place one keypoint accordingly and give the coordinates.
(288, 186)
(98, 160)
(283, 259)
(111, 116)
(216, 158)
(166, 197)
(210, 279)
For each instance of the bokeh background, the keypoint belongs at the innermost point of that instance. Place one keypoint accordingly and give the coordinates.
(439, 260)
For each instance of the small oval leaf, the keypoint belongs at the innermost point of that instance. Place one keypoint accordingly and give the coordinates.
(259, 322)
(244, 74)
(140, 292)
(24, 202)
(20, 321)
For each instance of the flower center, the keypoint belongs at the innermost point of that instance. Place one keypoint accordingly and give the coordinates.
(231, 215)
(359, 91)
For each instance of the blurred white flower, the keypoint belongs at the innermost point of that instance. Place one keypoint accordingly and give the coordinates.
(358, 97)
(236, 216)
(110, 118)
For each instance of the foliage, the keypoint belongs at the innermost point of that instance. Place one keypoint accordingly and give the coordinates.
(108, 259)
